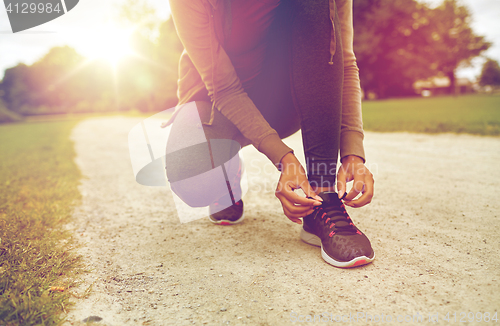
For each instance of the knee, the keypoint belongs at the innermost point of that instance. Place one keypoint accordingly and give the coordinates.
(201, 190)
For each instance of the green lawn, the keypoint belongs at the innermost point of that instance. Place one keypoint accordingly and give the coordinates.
(38, 190)
(475, 114)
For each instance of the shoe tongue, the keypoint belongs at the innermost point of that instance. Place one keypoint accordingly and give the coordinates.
(332, 205)
(330, 198)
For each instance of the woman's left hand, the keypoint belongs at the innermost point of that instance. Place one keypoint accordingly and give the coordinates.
(353, 169)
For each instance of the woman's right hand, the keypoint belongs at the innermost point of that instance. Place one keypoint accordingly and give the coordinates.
(293, 176)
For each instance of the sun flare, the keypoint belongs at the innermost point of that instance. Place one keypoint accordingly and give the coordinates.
(109, 43)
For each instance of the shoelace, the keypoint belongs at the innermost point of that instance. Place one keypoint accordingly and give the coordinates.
(337, 218)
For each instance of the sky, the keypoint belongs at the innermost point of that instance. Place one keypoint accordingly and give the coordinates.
(88, 29)
(82, 28)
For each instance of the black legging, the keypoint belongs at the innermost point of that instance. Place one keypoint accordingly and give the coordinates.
(297, 89)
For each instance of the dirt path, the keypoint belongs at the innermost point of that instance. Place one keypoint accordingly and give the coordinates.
(434, 225)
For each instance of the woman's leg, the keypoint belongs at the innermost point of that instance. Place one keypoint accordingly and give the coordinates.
(271, 92)
(202, 162)
(317, 88)
(299, 89)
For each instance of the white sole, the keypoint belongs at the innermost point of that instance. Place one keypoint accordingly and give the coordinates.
(227, 222)
(314, 240)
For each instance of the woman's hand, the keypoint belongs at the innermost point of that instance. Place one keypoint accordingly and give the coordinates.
(293, 176)
(353, 168)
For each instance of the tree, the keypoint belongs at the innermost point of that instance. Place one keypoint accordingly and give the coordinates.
(400, 41)
(53, 84)
(6, 115)
(60, 82)
(52, 81)
(15, 88)
(453, 41)
(390, 45)
(63, 81)
(490, 74)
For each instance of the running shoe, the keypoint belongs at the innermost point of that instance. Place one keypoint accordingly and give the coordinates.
(228, 216)
(330, 227)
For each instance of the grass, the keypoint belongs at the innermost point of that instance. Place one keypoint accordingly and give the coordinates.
(474, 114)
(38, 189)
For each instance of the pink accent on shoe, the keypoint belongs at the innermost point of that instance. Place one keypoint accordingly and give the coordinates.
(359, 262)
(358, 232)
(224, 223)
(331, 226)
(331, 234)
(323, 215)
(327, 220)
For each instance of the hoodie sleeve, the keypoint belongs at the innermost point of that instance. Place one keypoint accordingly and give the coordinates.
(194, 23)
(351, 139)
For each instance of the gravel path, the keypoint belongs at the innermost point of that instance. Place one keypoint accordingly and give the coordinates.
(434, 225)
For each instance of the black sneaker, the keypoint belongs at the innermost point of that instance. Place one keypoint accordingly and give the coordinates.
(228, 216)
(330, 227)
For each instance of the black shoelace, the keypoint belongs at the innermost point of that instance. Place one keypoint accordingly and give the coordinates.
(336, 218)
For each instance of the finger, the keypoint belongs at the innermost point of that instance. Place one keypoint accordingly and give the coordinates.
(357, 187)
(341, 182)
(366, 197)
(307, 189)
(296, 209)
(358, 184)
(295, 220)
(296, 217)
(294, 198)
(299, 210)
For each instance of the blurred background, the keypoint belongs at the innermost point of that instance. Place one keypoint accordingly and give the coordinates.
(122, 56)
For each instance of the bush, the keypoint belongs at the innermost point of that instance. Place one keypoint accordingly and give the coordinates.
(8, 116)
